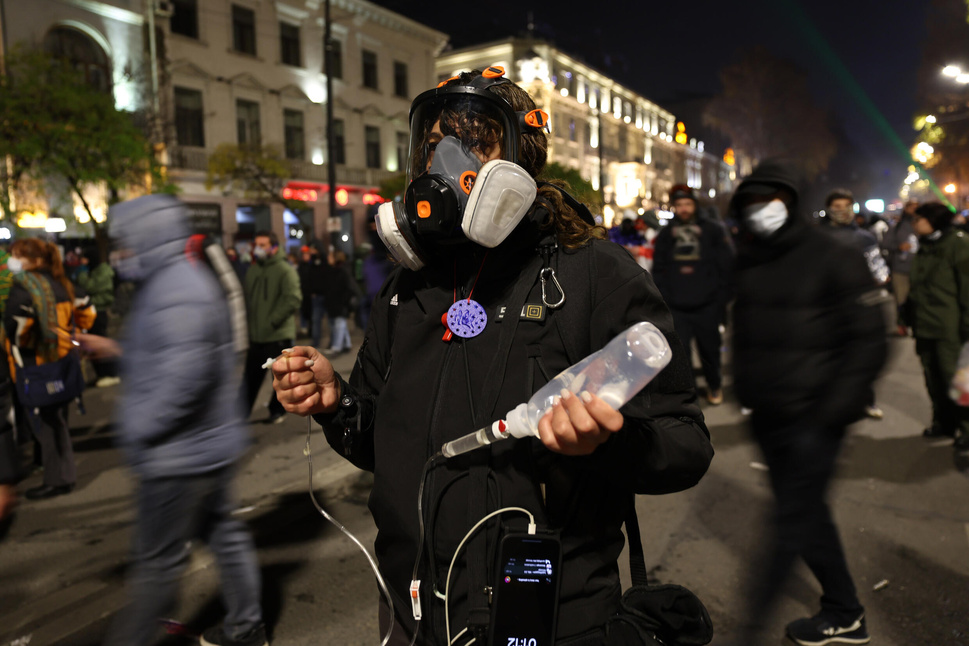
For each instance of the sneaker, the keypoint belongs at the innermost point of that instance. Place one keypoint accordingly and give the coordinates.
(715, 397)
(215, 637)
(818, 631)
(874, 412)
(104, 382)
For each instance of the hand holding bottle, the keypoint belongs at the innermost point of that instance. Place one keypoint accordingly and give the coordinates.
(577, 424)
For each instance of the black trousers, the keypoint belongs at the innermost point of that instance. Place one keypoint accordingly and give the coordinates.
(702, 324)
(939, 362)
(801, 459)
(255, 374)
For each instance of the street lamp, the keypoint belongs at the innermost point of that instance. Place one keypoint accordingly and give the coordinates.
(930, 118)
(950, 188)
(951, 70)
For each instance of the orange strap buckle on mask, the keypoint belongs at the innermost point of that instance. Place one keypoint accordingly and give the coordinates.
(535, 119)
(493, 72)
(446, 81)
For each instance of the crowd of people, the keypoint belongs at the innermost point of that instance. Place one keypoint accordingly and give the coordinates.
(446, 350)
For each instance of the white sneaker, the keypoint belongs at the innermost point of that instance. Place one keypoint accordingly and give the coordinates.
(874, 412)
(104, 382)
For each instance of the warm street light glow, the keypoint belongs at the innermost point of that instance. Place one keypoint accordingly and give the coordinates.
(930, 118)
(950, 188)
(962, 78)
(951, 70)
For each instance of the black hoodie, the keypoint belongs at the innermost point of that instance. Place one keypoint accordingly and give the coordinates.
(809, 335)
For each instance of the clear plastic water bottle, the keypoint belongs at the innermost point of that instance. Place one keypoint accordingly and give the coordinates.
(615, 374)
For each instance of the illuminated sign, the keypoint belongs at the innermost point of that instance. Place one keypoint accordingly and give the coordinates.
(728, 157)
(342, 196)
(301, 194)
(681, 137)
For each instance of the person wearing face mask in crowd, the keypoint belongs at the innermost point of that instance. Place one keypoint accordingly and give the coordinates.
(273, 297)
(693, 269)
(179, 423)
(809, 340)
(840, 221)
(502, 283)
(43, 312)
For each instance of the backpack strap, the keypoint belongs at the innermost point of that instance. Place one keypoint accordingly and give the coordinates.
(637, 559)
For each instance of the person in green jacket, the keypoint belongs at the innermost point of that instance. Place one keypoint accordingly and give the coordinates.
(273, 296)
(937, 309)
(98, 282)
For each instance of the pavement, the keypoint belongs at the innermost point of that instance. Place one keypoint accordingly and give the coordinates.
(901, 503)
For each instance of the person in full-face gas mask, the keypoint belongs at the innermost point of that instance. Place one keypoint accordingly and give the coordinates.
(809, 340)
(501, 284)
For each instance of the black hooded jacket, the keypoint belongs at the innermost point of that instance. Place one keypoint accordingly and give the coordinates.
(412, 392)
(809, 333)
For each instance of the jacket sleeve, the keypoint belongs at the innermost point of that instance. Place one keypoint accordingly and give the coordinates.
(725, 263)
(662, 248)
(960, 268)
(181, 338)
(19, 314)
(664, 445)
(290, 298)
(350, 431)
(864, 348)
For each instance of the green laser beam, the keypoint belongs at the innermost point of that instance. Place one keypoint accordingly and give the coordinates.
(846, 79)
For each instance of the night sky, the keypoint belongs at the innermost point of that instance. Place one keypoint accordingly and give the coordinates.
(674, 50)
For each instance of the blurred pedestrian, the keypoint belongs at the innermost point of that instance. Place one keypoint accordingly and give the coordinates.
(376, 268)
(240, 267)
(841, 223)
(900, 244)
(180, 426)
(43, 312)
(341, 295)
(808, 343)
(313, 272)
(937, 309)
(692, 267)
(273, 298)
(98, 282)
(10, 472)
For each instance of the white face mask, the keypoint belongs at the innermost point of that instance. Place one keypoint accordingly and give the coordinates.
(764, 219)
(16, 265)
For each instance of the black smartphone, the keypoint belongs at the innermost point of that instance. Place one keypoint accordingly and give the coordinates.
(526, 591)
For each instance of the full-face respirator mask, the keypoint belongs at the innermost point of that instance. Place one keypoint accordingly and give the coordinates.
(458, 198)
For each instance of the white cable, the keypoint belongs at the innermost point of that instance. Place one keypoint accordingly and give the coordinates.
(373, 563)
(458, 636)
(447, 581)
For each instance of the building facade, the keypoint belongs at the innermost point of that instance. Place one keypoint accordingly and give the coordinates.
(631, 147)
(251, 72)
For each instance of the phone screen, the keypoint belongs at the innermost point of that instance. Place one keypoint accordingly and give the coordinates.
(526, 591)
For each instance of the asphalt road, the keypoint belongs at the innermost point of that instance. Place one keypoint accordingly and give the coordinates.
(902, 505)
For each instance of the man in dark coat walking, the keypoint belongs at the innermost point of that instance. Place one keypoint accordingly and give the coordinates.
(809, 340)
(692, 266)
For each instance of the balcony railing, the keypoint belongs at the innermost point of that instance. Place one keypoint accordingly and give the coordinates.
(197, 159)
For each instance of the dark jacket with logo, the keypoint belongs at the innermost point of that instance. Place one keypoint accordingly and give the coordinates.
(414, 392)
(693, 264)
(938, 304)
(808, 330)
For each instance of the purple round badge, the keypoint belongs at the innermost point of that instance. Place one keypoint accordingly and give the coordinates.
(467, 318)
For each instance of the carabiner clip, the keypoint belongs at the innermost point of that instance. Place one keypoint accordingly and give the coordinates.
(548, 271)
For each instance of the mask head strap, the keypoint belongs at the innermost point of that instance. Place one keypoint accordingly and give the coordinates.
(573, 203)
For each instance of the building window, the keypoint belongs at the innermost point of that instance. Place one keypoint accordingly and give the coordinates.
(403, 147)
(189, 117)
(293, 134)
(289, 52)
(572, 136)
(82, 53)
(336, 58)
(369, 69)
(339, 142)
(372, 143)
(400, 79)
(247, 123)
(185, 18)
(243, 30)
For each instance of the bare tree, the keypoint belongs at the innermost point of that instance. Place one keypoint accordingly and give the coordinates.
(767, 110)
